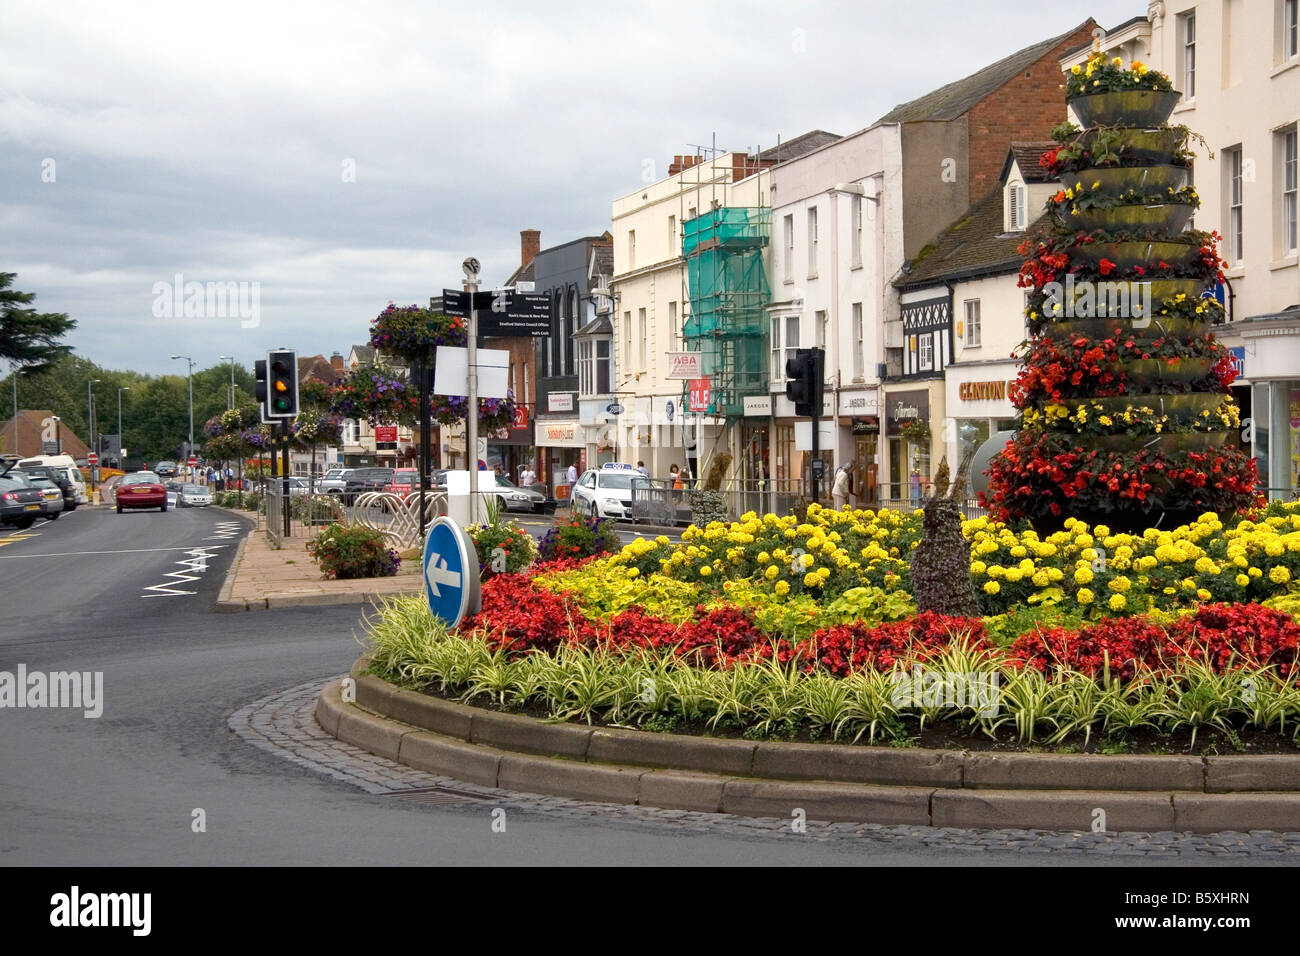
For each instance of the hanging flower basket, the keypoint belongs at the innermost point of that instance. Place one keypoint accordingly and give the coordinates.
(1170, 218)
(917, 432)
(374, 395)
(1125, 256)
(412, 333)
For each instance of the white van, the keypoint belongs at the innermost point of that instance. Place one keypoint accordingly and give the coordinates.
(69, 466)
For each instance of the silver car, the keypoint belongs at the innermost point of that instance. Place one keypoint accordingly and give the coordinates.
(193, 496)
(510, 495)
(333, 482)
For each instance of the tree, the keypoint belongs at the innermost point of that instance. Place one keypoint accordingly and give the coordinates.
(28, 338)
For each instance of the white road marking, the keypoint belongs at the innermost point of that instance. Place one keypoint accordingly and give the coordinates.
(69, 554)
(197, 561)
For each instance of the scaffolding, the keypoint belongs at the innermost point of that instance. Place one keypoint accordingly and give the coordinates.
(728, 291)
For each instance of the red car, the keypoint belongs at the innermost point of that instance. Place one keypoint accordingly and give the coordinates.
(143, 489)
(405, 482)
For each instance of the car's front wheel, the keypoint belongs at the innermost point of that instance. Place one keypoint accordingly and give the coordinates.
(22, 524)
(54, 516)
(164, 507)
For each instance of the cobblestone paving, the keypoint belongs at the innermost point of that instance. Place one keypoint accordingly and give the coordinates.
(284, 724)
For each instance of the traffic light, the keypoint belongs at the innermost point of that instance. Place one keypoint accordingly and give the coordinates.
(806, 386)
(259, 373)
(282, 383)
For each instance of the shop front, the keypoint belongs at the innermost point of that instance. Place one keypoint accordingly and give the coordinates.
(908, 435)
(560, 443)
(979, 404)
(510, 449)
(1270, 367)
(859, 444)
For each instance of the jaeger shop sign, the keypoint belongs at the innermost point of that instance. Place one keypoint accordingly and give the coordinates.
(982, 391)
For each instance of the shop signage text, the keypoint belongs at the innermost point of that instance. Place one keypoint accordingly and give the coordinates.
(982, 391)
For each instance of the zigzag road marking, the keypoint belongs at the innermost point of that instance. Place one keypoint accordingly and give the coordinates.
(226, 529)
(196, 562)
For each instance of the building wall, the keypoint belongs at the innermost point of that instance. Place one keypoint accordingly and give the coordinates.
(1026, 108)
(935, 171)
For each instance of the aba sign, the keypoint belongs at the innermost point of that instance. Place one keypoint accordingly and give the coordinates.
(451, 572)
(503, 313)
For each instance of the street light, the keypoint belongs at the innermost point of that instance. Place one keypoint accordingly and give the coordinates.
(120, 463)
(90, 416)
(230, 402)
(189, 448)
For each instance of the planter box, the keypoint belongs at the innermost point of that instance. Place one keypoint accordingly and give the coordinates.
(1117, 180)
(1147, 372)
(1142, 108)
(1101, 328)
(1169, 218)
(1155, 145)
(1180, 408)
(1169, 443)
(1126, 255)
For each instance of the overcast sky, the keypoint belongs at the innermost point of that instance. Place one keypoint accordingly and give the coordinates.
(341, 155)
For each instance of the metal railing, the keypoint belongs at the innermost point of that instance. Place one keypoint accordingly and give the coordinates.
(396, 516)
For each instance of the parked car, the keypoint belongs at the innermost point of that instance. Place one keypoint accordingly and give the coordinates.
(333, 481)
(165, 469)
(606, 492)
(64, 465)
(510, 495)
(193, 496)
(363, 480)
(141, 489)
(51, 495)
(20, 502)
(405, 481)
(58, 475)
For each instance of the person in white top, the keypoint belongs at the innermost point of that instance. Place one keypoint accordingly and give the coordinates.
(840, 489)
(573, 475)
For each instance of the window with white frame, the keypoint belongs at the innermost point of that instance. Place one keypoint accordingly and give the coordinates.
(971, 335)
(858, 354)
(791, 339)
(778, 370)
(1015, 207)
(857, 231)
(1187, 53)
(351, 432)
(604, 367)
(674, 325)
(1234, 193)
(586, 372)
(627, 342)
(1287, 28)
(644, 331)
(788, 273)
(925, 351)
(821, 328)
(812, 242)
(1287, 181)
(631, 249)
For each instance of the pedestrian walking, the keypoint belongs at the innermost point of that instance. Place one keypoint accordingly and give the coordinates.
(640, 466)
(840, 488)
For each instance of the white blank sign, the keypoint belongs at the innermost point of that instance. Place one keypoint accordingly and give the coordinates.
(451, 372)
(803, 435)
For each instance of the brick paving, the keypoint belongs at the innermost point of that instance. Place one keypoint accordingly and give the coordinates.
(284, 724)
(262, 576)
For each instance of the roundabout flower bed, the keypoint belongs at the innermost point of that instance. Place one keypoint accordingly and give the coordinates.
(769, 627)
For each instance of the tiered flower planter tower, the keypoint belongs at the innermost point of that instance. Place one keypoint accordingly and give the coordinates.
(1125, 412)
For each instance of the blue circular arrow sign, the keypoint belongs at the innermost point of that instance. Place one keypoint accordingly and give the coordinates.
(451, 573)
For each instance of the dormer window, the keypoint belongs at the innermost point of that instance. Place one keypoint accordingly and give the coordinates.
(1015, 207)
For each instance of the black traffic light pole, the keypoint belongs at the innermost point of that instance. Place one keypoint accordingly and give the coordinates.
(287, 434)
(807, 390)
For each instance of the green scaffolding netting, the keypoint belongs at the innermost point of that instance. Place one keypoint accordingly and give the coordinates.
(728, 293)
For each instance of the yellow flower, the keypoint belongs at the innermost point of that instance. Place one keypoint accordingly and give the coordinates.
(772, 573)
(763, 557)
(782, 588)
(812, 580)
(992, 587)
(1203, 595)
(1242, 580)
(632, 572)
(1083, 575)
(1278, 574)
(1117, 602)
(978, 567)
(1076, 69)
(1120, 584)
(1084, 596)
(705, 571)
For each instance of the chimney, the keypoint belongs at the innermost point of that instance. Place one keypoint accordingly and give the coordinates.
(336, 363)
(675, 166)
(530, 243)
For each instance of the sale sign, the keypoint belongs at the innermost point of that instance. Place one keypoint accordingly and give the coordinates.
(699, 394)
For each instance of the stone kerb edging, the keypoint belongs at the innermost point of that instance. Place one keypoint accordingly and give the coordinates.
(829, 782)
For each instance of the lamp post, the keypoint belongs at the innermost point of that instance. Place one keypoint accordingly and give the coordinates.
(120, 463)
(189, 448)
(230, 401)
(90, 430)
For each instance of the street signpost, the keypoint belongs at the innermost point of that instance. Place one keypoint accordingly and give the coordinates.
(92, 459)
(502, 313)
(451, 577)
